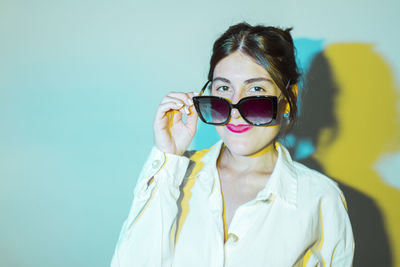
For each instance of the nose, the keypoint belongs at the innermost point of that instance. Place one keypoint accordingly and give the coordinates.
(235, 113)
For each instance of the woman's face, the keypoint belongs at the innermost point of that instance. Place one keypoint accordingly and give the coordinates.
(237, 76)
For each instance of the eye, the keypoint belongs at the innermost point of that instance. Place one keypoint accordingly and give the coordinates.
(222, 88)
(257, 89)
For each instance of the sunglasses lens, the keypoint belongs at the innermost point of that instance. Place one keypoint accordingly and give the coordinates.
(213, 109)
(258, 110)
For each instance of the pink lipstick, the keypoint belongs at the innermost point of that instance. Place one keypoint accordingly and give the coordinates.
(240, 128)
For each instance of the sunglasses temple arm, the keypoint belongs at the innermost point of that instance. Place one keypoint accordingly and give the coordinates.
(204, 88)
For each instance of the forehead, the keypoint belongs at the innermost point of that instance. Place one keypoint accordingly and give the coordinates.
(238, 67)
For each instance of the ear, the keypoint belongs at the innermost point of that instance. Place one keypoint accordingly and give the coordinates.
(295, 90)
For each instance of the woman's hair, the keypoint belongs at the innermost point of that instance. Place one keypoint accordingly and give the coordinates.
(270, 47)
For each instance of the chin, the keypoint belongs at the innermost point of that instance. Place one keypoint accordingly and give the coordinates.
(247, 144)
(238, 149)
(245, 147)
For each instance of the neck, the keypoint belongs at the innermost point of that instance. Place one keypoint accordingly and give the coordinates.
(262, 161)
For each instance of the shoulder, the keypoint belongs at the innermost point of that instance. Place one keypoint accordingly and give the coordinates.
(196, 155)
(317, 187)
(207, 154)
(310, 182)
(200, 160)
(314, 179)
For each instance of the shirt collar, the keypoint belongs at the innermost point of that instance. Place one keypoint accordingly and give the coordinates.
(282, 182)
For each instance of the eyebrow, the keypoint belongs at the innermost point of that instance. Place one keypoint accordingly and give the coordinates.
(258, 80)
(246, 81)
(221, 79)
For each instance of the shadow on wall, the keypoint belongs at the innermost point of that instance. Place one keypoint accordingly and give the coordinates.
(348, 114)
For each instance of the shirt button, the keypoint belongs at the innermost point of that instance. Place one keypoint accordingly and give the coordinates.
(155, 164)
(234, 237)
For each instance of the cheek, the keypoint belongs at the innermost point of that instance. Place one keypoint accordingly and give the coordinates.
(255, 135)
(220, 130)
(267, 133)
(248, 143)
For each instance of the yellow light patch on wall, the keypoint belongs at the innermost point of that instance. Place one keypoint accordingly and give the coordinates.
(368, 126)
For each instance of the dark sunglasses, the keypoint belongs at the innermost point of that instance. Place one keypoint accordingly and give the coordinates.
(255, 110)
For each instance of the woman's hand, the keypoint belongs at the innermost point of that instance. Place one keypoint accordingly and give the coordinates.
(171, 134)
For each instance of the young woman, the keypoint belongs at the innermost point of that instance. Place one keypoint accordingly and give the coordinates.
(242, 202)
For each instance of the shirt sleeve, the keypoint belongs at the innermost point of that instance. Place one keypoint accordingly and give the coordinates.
(147, 235)
(335, 246)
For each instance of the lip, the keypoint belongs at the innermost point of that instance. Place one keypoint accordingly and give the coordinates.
(239, 128)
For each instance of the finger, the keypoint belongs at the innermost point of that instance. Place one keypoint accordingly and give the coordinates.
(191, 120)
(192, 94)
(177, 117)
(184, 108)
(185, 97)
(172, 99)
(166, 107)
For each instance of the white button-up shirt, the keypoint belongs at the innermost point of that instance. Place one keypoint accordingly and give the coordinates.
(176, 219)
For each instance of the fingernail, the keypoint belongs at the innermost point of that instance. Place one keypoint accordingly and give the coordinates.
(179, 104)
(186, 109)
(190, 102)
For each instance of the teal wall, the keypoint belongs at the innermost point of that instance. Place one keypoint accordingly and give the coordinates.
(79, 85)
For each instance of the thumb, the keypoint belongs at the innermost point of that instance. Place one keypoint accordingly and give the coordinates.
(191, 120)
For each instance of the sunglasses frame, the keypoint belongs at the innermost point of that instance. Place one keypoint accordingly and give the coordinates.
(231, 106)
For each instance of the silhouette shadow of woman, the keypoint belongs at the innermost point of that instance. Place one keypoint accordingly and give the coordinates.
(347, 114)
